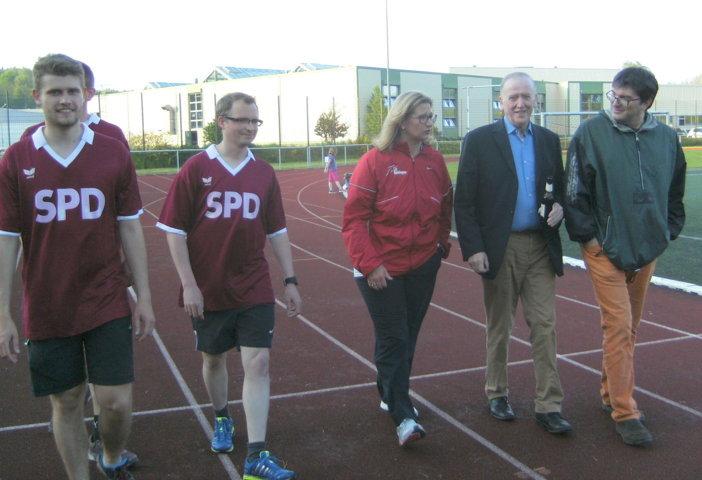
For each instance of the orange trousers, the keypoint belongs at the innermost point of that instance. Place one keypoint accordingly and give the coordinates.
(621, 303)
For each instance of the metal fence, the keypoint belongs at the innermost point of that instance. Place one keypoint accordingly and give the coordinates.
(280, 157)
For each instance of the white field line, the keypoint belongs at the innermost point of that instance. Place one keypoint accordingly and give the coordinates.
(430, 406)
(519, 340)
(197, 411)
(342, 388)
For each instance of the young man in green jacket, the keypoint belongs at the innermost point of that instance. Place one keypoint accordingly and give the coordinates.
(625, 184)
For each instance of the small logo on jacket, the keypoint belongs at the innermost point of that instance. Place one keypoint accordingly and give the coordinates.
(29, 174)
(207, 181)
(396, 171)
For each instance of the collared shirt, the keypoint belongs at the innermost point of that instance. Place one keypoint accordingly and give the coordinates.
(525, 214)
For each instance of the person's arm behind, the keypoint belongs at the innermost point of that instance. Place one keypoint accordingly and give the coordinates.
(9, 338)
(676, 208)
(280, 243)
(465, 208)
(132, 237)
(579, 215)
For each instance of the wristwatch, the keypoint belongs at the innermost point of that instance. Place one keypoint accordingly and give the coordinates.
(287, 281)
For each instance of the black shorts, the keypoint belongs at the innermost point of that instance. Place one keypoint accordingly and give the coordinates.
(105, 353)
(223, 330)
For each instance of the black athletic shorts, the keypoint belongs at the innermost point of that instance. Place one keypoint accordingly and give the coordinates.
(223, 330)
(105, 353)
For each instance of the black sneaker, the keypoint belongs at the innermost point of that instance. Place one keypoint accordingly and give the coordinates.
(608, 410)
(634, 433)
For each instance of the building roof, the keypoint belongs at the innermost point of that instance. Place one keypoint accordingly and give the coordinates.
(229, 73)
(306, 67)
(162, 85)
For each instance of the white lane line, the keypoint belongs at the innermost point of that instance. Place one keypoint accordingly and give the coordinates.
(524, 342)
(689, 237)
(460, 267)
(429, 405)
(299, 201)
(194, 407)
(342, 388)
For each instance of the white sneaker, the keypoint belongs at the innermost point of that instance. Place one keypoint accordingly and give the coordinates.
(409, 431)
(384, 407)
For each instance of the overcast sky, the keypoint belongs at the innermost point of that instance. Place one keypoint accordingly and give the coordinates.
(130, 43)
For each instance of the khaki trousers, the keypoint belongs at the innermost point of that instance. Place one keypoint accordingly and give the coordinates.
(621, 304)
(526, 273)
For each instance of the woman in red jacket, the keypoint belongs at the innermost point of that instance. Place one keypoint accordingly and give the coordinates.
(397, 221)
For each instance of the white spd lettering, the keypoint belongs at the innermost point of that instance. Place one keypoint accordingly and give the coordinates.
(50, 208)
(222, 204)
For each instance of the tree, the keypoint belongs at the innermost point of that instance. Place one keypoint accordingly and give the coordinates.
(330, 127)
(17, 84)
(376, 111)
(148, 141)
(212, 133)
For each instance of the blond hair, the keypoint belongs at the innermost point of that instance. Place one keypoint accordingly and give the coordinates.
(400, 111)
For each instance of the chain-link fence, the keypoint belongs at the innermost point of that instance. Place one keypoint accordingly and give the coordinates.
(182, 118)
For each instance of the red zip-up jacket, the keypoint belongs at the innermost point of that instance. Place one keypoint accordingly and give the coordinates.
(398, 210)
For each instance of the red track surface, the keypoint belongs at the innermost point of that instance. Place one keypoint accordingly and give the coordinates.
(324, 414)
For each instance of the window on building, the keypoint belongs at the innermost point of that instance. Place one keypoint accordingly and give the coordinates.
(195, 107)
(394, 92)
(590, 102)
(449, 122)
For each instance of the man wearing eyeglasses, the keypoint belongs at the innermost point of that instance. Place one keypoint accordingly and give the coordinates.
(501, 178)
(219, 211)
(625, 185)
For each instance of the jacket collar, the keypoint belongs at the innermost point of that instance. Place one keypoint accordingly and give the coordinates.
(649, 123)
(402, 146)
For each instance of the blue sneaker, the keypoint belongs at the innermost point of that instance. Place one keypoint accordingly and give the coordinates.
(223, 438)
(265, 467)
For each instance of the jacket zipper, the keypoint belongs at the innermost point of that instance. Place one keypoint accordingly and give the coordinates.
(638, 152)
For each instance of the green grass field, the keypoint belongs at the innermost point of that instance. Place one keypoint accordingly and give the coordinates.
(682, 260)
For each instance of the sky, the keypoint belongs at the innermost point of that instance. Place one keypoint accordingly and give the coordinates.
(131, 43)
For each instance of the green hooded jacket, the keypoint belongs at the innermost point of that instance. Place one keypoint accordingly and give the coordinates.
(625, 188)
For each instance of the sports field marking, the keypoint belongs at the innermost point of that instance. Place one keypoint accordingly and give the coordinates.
(689, 237)
(430, 406)
(224, 459)
(560, 356)
(322, 391)
(461, 267)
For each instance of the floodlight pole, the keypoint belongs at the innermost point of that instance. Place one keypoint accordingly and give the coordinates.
(387, 57)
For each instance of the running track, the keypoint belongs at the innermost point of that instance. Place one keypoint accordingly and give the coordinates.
(324, 418)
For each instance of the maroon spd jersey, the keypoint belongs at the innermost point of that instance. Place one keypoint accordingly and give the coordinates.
(95, 123)
(226, 214)
(66, 211)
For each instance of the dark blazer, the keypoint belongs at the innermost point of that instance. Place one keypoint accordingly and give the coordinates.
(486, 192)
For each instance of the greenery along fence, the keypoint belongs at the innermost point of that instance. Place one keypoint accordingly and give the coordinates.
(280, 157)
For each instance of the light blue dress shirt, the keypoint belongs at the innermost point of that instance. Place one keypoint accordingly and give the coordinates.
(525, 212)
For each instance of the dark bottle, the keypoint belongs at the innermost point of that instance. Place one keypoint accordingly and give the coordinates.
(547, 200)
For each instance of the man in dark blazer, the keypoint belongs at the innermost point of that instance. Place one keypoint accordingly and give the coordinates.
(501, 180)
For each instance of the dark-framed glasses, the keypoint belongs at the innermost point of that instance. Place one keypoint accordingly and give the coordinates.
(624, 101)
(254, 122)
(426, 118)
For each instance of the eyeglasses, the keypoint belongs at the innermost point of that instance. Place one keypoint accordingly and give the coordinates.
(245, 121)
(624, 101)
(426, 118)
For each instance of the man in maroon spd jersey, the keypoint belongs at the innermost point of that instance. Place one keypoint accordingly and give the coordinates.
(71, 195)
(96, 124)
(220, 209)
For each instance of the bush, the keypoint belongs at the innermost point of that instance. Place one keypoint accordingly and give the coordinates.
(691, 142)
